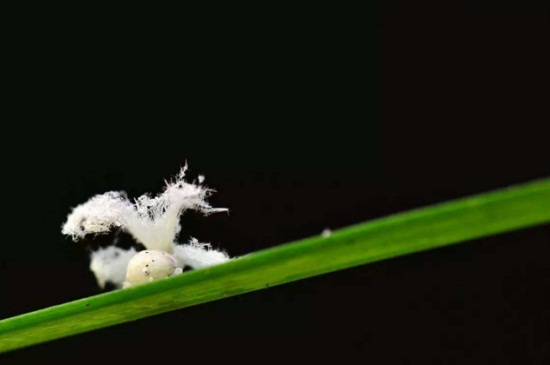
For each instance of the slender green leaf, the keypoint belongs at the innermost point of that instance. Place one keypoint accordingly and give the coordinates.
(444, 224)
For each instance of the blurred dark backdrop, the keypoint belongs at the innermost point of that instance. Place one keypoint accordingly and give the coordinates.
(317, 119)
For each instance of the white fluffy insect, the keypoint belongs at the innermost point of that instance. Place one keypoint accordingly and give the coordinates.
(154, 222)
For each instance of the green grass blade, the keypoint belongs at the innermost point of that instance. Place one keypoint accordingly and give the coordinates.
(444, 224)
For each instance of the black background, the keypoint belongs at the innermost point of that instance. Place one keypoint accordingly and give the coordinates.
(302, 120)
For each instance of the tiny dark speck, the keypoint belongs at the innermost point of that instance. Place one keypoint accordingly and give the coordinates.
(87, 304)
(267, 285)
(146, 265)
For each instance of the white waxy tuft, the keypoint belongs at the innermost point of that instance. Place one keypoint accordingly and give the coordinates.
(98, 215)
(109, 265)
(198, 255)
(152, 221)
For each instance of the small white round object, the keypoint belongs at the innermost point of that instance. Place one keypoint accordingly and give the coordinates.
(150, 265)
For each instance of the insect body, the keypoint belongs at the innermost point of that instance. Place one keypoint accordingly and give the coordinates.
(150, 265)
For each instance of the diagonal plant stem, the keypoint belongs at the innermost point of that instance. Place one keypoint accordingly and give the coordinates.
(435, 226)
